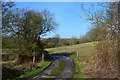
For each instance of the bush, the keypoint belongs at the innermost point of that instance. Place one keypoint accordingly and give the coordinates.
(107, 55)
(63, 43)
(73, 41)
(50, 45)
(9, 43)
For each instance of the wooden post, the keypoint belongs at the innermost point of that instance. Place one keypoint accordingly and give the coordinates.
(33, 59)
(42, 57)
(77, 54)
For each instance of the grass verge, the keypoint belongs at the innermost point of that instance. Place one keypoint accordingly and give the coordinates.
(80, 67)
(35, 71)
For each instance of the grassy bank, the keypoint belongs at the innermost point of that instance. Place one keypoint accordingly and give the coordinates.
(35, 71)
(84, 49)
(80, 66)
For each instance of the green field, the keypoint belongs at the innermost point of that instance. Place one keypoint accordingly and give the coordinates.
(84, 49)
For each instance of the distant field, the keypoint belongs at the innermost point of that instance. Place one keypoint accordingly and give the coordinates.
(84, 49)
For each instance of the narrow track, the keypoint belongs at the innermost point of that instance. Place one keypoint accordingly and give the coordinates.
(68, 72)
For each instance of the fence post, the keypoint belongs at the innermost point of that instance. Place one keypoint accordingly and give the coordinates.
(42, 57)
(77, 54)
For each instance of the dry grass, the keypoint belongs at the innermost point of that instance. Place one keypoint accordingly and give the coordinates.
(94, 70)
(104, 64)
